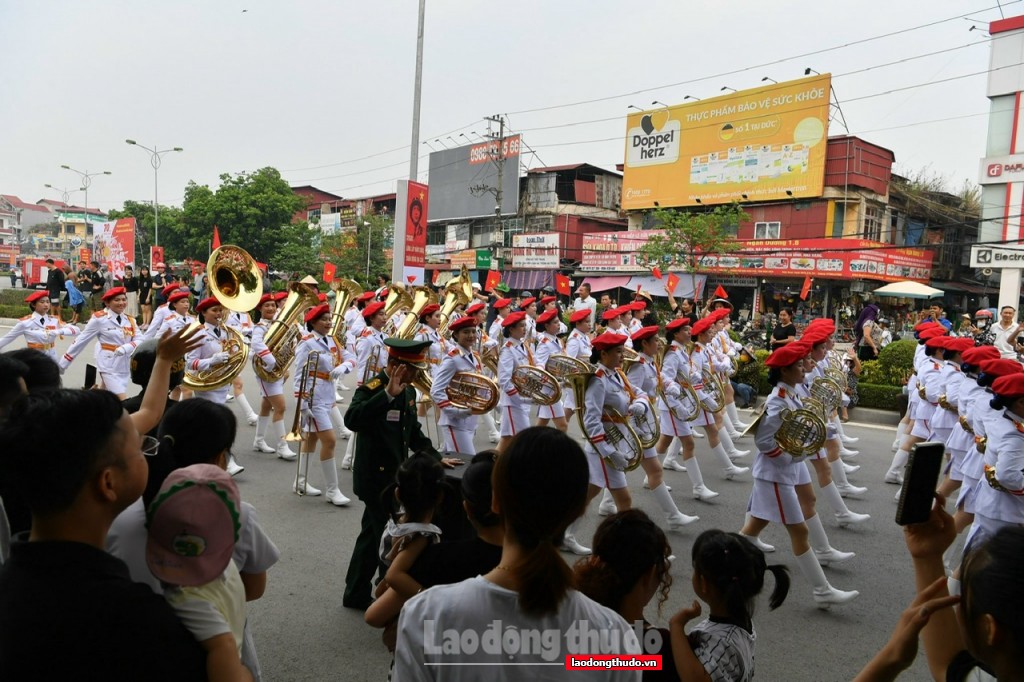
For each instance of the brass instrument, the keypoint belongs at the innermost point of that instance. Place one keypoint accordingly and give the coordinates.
(629, 357)
(308, 370)
(990, 477)
(489, 359)
(921, 392)
(397, 299)
(617, 430)
(423, 382)
(752, 426)
(802, 432)
(713, 386)
(236, 283)
(828, 393)
(345, 291)
(966, 425)
(468, 390)
(372, 367)
(687, 394)
(646, 426)
(284, 334)
(458, 292)
(562, 366)
(422, 297)
(536, 384)
(838, 376)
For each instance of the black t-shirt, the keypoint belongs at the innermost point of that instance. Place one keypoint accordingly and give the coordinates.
(130, 284)
(98, 280)
(783, 331)
(158, 296)
(452, 562)
(145, 283)
(71, 611)
(668, 662)
(54, 281)
(962, 665)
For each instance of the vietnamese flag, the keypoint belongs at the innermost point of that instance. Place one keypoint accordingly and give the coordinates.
(493, 279)
(656, 271)
(806, 288)
(329, 271)
(216, 237)
(720, 292)
(435, 277)
(562, 285)
(672, 283)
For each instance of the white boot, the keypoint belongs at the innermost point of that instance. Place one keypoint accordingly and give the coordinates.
(350, 453)
(672, 457)
(674, 517)
(647, 484)
(283, 451)
(607, 506)
(334, 495)
(569, 542)
(847, 440)
(699, 434)
(844, 516)
(727, 426)
(234, 468)
(730, 449)
(901, 430)
(259, 444)
(493, 435)
(735, 417)
(825, 553)
(846, 489)
(847, 452)
(700, 491)
(758, 542)
(250, 416)
(300, 485)
(343, 432)
(729, 470)
(824, 594)
(849, 468)
(895, 472)
(337, 391)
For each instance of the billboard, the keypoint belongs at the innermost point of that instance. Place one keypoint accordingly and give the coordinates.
(536, 250)
(114, 244)
(463, 180)
(766, 143)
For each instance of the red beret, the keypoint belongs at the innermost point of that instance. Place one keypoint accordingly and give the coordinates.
(785, 356)
(206, 303)
(429, 310)
(265, 298)
(920, 326)
(170, 289)
(177, 296)
(1001, 367)
(474, 309)
(322, 297)
(35, 296)
(608, 340)
(466, 322)
(547, 316)
(677, 323)
(280, 296)
(936, 341)
(547, 299)
(717, 315)
(527, 302)
(702, 325)
(611, 314)
(645, 333)
(316, 312)
(580, 315)
(365, 296)
(502, 303)
(959, 344)
(513, 318)
(372, 309)
(638, 305)
(815, 336)
(931, 332)
(823, 322)
(801, 345)
(114, 293)
(978, 354)
(1009, 386)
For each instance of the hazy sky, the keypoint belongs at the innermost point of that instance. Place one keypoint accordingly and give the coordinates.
(313, 86)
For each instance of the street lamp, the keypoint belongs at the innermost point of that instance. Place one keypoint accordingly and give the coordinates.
(86, 181)
(65, 193)
(154, 160)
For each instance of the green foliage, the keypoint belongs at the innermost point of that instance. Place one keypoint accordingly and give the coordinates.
(689, 235)
(762, 371)
(171, 219)
(348, 251)
(896, 362)
(879, 397)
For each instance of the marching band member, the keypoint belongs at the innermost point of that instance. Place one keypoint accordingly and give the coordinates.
(316, 399)
(116, 338)
(161, 312)
(457, 425)
(946, 415)
(209, 354)
(178, 304)
(241, 322)
(782, 485)
(727, 350)
(39, 328)
(501, 308)
(636, 320)
(478, 311)
(721, 444)
(551, 303)
(430, 320)
(548, 345)
(578, 345)
(613, 319)
(529, 306)
(271, 392)
(354, 322)
(514, 352)
(370, 349)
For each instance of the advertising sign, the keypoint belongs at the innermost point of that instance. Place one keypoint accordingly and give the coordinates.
(9, 254)
(464, 180)
(997, 256)
(114, 244)
(84, 255)
(537, 251)
(1000, 170)
(766, 143)
(830, 258)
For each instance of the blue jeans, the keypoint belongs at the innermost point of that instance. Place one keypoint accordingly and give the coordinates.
(744, 393)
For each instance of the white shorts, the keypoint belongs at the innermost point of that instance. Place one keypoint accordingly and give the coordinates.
(670, 426)
(956, 461)
(514, 419)
(116, 382)
(704, 418)
(649, 453)
(556, 411)
(778, 502)
(968, 494)
(601, 473)
(270, 388)
(317, 419)
(940, 434)
(457, 440)
(921, 429)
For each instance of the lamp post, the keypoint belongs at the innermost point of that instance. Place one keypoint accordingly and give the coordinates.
(86, 181)
(64, 193)
(155, 157)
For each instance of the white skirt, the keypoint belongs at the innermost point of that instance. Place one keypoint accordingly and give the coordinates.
(778, 502)
(670, 426)
(601, 473)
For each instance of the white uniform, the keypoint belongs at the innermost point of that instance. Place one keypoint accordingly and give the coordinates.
(116, 338)
(604, 390)
(621, 331)
(961, 440)
(777, 472)
(635, 325)
(40, 332)
(174, 322)
(494, 331)
(207, 356)
(914, 399)
(974, 461)
(457, 425)
(943, 419)
(576, 346)
(675, 365)
(354, 325)
(159, 315)
(700, 358)
(927, 376)
(644, 380)
(260, 350)
(548, 345)
(316, 404)
(240, 322)
(996, 509)
(515, 408)
(371, 354)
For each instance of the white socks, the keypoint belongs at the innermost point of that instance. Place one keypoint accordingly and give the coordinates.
(835, 500)
(244, 402)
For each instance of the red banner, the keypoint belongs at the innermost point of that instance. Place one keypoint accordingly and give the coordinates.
(562, 285)
(84, 255)
(416, 225)
(493, 278)
(216, 237)
(806, 288)
(156, 255)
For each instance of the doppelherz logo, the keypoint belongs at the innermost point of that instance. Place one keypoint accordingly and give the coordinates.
(655, 141)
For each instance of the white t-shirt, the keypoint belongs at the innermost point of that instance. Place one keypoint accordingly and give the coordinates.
(1004, 342)
(590, 302)
(479, 623)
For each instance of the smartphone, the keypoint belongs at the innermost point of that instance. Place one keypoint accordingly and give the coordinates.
(920, 479)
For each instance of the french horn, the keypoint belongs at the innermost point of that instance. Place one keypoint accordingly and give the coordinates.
(714, 388)
(562, 366)
(617, 430)
(828, 393)
(646, 426)
(802, 432)
(475, 392)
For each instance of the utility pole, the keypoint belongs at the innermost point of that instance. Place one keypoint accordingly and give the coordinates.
(497, 157)
(398, 245)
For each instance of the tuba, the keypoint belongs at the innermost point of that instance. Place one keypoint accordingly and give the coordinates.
(236, 283)
(475, 392)
(422, 297)
(284, 333)
(617, 430)
(397, 299)
(458, 292)
(345, 291)
(687, 395)
(563, 366)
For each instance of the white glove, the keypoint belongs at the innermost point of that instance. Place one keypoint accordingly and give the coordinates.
(220, 358)
(673, 391)
(63, 365)
(52, 334)
(619, 460)
(120, 352)
(269, 361)
(637, 408)
(340, 371)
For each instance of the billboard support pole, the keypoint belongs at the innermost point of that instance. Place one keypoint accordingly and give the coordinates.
(398, 262)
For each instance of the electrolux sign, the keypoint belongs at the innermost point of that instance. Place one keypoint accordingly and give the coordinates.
(1000, 170)
(997, 256)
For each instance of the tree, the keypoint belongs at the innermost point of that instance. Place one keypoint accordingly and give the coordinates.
(171, 218)
(348, 251)
(688, 236)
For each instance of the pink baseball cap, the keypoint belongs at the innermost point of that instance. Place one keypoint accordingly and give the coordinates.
(193, 525)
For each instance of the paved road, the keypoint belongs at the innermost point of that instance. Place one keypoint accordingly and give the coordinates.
(303, 632)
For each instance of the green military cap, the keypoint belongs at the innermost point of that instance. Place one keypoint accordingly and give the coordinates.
(502, 287)
(408, 351)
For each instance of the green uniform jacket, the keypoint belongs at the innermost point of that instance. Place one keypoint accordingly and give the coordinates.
(383, 444)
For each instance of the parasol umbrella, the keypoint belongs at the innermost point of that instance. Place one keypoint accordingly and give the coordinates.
(908, 289)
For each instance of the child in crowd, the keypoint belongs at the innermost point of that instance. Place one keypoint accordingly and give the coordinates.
(193, 526)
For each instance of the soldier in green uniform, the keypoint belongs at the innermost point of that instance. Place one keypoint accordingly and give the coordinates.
(383, 413)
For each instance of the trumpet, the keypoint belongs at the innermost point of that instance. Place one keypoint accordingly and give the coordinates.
(305, 392)
(617, 430)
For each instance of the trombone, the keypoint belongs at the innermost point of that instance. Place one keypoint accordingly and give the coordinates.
(295, 435)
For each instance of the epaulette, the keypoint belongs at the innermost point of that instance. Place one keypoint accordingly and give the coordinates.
(453, 353)
(1020, 427)
(508, 344)
(599, 373)
(544, 339)
(101, 313)
(307, 337)
(782, 393)
(366, 332)
(373, 384)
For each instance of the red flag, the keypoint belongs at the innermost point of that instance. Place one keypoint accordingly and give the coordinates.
(434, 277)
(698, 288)
(806, 289)
(411, 278)
(216, 237)
(493, 279)
(656, 271)
(672, 283)
(720, 292)
(261, 266)
(329, 271)
(562, 285)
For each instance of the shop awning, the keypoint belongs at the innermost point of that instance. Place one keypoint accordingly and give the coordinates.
(606, 283)
(528, 280)
(965, 286)
(648, 283)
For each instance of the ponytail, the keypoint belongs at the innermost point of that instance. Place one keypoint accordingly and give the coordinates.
(736, 568)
